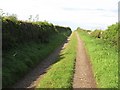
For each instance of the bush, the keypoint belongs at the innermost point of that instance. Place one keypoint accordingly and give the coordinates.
(96, 33)
(111, 34)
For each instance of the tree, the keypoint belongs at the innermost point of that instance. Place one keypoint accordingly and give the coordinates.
(1, 13)
(30, 18)
(37, 17)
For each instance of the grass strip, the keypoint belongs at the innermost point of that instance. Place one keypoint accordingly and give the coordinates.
(61, 73)
(104, 59)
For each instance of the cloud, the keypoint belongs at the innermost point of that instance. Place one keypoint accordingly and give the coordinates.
(89, 14)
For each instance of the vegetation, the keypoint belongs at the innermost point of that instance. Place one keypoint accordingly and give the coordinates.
(97, 33)
(61, 73)
(110, 35)
(25, 44)
(18, 32)
(104, 58)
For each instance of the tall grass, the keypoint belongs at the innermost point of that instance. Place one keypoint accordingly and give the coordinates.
(104, 59)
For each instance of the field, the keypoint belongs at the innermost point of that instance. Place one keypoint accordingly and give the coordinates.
(27, 44)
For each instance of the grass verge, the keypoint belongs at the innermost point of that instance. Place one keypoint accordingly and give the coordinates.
(104, 59)
(60, 74)
(18, 61)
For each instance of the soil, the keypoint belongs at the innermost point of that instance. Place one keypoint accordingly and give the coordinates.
(83, 76)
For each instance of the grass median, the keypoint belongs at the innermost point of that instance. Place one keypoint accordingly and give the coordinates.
(60, 74)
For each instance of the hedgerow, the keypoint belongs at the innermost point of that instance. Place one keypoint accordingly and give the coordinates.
(16, 32)
(110, 35)
(25, 44)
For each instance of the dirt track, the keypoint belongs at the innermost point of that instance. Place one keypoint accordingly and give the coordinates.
(83, 77)
(34, 76)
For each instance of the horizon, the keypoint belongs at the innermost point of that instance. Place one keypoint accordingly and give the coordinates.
(85, 14)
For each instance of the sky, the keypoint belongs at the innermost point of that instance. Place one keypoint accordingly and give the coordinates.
(87, 14)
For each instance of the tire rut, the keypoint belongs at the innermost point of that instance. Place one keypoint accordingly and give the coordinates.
(83, 76)
(33, 77)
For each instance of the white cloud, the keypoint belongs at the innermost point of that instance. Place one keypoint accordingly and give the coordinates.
(89, 14)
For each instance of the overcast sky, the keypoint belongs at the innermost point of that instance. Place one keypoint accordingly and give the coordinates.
(87, 14)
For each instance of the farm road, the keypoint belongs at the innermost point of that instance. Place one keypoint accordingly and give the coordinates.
(83, 76)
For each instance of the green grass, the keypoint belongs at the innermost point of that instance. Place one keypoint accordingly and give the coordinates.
(104, 59)
(60, 74)
(27, 57)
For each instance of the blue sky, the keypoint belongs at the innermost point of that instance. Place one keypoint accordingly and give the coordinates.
(87, 14)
